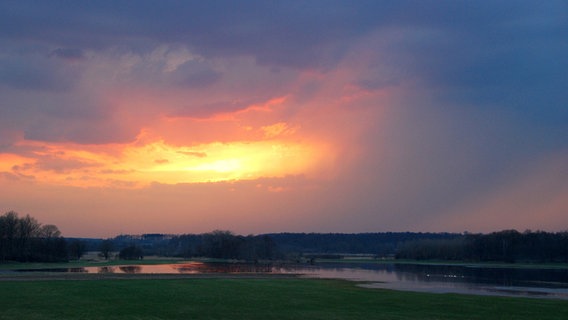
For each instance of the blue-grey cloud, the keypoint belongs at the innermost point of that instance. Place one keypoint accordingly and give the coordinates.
(35, 72)
(506, 55)
(290, 34)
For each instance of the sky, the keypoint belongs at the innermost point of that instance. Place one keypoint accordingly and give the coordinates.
(130, 117)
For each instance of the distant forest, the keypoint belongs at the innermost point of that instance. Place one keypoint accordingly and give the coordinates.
(504, 246)
(24, 239)
(275, 246)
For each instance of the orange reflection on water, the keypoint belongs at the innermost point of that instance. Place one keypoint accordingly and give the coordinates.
(185, 268)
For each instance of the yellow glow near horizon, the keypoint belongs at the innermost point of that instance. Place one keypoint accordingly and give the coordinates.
(227, 165)
(138, 165)
(221, 161)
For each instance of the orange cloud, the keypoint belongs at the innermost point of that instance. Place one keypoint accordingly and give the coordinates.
(277, 129)
(140, 164)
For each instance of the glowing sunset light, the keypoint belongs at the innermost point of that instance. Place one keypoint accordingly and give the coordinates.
(335, 116)
(139, 165)
(224, 161)
(229, 165)
(9, 162)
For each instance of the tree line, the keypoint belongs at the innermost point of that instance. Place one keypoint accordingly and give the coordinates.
(504, 246)
(217, 244)
(226, 245)
(24, 239)
(380, 244)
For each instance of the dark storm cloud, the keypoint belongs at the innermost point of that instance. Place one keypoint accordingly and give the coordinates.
(299, 34)
(506, 55)
(191, 75)
(35, 72)
(486, 55)
(458, 43)
(154, 71)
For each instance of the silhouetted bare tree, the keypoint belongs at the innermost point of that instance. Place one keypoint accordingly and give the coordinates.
(131, 253)
(77, 249)
(106, 248)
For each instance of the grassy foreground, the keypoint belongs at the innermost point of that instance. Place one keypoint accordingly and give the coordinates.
(252, 299)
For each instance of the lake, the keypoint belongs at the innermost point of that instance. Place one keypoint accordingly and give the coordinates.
(474, 279)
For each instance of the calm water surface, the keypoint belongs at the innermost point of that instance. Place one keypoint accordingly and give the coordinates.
(541, 283)
(538, 283)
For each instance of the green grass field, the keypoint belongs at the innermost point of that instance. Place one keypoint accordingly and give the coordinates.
(218, 298)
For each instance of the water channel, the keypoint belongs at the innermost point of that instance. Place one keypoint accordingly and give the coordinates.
(533, 282)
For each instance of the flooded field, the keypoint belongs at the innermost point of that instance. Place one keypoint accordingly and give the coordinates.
(542, 283)
(174, 268)
(539, 283)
